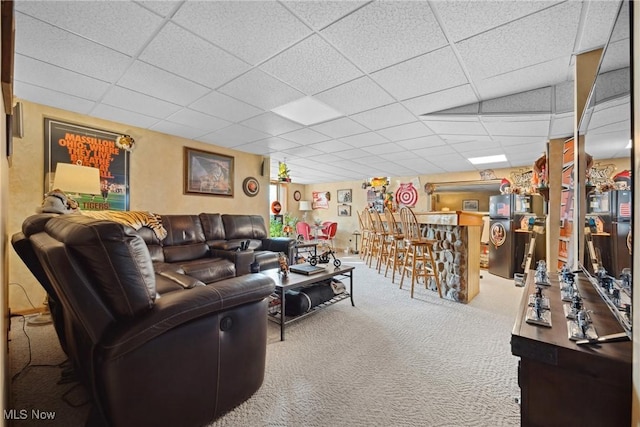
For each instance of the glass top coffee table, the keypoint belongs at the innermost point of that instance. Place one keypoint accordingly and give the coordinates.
(298, 281)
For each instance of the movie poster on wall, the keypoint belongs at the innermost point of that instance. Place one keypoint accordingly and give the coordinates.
(85, 146)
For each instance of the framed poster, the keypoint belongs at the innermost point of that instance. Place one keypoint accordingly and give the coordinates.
(86, 146)
(344, 196)
(207, 173)
(344, 210)
(470, 205)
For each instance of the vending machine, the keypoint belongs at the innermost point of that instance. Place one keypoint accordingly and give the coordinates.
(610, 212)
(508, 237)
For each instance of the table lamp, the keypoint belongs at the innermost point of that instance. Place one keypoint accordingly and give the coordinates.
(305, 206)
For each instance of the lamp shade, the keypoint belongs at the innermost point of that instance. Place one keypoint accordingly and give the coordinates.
(72, 178)
(305, 205)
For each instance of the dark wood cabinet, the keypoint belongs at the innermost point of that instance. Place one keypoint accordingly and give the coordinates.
(562, 383)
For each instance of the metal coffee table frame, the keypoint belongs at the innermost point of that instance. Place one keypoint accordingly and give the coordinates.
(298, 281)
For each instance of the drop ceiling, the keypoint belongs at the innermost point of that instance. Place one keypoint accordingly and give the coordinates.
(420, 85)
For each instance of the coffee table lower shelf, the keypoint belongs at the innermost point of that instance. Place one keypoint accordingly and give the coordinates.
(278, 299)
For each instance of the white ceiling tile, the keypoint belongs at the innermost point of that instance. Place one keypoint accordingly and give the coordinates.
(179, 51)
(339, 128)
(332, 146)
(561, 125)
(271, 123)
(198, 120)
(383, 117)
(506, 141)
(597, 25)
(160, 84)
(425, 74)
(240, 134)
(252, 30)
(268, 145)
(400, 155)
(612, 84)
(162, 8)
(353, 154)
(464, 147)
(356, 96)
(260, 89)
(423, 142)
(456, 139)
(303, 151)
(223, 106)
(311, 66)
(526, 128)
(451, 162)
(138, 102)
(538, 100)
(364, 139)
(533, 77)
(50, 44)
(123, 26)
(486, 15)
(177, 129)
(437, 151)
(545, 35)
(319, 14)
(564, 97)
(384, 33)
(454, 127)
(406, 131)
(52, 98)
(422, 166)
(114, 114)
(442, 100)
(42, 74)
(304, 136)
(219, 140)
(383, 149)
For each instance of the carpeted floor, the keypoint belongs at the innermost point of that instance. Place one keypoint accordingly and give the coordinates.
(389, 360)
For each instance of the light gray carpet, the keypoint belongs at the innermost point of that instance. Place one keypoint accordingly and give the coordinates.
(387, 361)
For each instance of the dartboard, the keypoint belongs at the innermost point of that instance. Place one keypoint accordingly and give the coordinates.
(407, 195)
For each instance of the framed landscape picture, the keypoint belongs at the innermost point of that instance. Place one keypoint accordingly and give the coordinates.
(207, 173)
(344, 210)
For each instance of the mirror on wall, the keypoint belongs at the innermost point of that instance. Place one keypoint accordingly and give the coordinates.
(606, 126)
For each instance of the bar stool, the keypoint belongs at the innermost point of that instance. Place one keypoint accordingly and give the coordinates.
(364, 231)
(395, 250)
(372, 247)
(381, 235)
(418, 254)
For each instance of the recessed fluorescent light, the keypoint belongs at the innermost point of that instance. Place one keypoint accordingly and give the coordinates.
(307, 111)
(488, 159)
(629, 144)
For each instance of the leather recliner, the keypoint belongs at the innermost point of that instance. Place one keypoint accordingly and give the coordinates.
(183, 356)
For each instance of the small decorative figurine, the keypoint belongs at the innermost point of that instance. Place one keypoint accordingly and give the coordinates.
(583, 322)
(284, 265)
(542, 278)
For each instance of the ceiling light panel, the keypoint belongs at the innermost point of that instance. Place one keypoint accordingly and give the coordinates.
(488, 159)
(307, 111)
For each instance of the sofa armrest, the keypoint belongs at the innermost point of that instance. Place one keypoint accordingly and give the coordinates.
(241, 259)
(177, 308)
(286, 245)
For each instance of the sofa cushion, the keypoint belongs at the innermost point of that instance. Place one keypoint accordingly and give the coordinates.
(212, 226)
(267, 260)
(234, 244)
(114, 256)
(185, 239)
(209, 270)
(244, 227)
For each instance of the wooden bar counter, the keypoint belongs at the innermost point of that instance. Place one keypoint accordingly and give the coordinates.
(563, 384)
(457, 252)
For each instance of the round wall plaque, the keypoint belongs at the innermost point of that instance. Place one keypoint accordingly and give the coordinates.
(251, 186)
(297, 196)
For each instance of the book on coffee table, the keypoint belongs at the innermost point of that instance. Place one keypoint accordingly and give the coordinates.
(306, 269)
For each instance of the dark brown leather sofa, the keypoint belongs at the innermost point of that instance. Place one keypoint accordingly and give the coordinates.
(153, 347)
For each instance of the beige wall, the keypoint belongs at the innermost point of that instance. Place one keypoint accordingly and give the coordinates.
(156, 182)
(4, 271)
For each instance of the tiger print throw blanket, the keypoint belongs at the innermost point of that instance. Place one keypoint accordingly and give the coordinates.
(135, 219)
